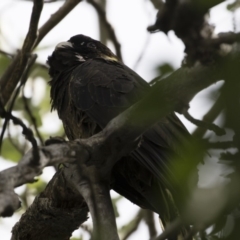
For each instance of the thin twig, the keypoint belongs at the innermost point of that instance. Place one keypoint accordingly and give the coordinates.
(226, 37)
(17, 147)
(10, 55)
(210, 126)
(149, 219)
(8, 115)
(15, 70)
(142, 52)
(33, 119)
(132, 226)
(194, 230)
(210, 116)
(55, 18)
(170, 230)
(111, 32)
(27, 132)
(23, 80)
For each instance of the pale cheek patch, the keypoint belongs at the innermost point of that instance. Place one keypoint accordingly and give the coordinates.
(80, 58)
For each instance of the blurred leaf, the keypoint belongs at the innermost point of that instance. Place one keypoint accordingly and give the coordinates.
(192, 153)
(4, 62)
(165, 68)
(9, 151)
(228, 156)
(162, 71)
(212, 238)
(37, 186)
(219, 225)
(233, 6)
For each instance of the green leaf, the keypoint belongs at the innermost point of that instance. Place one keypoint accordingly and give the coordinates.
(162, 70)
(165, 69)
(233, 6)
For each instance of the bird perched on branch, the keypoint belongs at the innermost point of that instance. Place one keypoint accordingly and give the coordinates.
(89, 87)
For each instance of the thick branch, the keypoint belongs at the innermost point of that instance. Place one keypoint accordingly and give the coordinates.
(97, 196)
(171, 94)
(54, 214)
(98, 154)
(24, 172)
(121, 134)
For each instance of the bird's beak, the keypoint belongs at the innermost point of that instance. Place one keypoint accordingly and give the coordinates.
(63, 45)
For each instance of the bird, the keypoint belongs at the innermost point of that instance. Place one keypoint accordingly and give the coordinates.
(90, 86)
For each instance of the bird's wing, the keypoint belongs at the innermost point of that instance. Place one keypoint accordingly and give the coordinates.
(103, 90)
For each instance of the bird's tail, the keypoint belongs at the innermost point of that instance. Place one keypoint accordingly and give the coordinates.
(172, 215)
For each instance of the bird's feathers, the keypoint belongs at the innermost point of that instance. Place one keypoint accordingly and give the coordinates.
(107, 90)
(89, 93)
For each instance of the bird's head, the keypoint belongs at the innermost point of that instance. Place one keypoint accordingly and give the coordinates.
(88, 48)
(78, 49)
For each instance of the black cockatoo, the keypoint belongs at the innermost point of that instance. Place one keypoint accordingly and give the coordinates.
(89, 87)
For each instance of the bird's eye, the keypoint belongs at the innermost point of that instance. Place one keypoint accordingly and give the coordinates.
(91, 45)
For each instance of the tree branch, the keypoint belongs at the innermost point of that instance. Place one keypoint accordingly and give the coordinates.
(103, 16)
(97, 196)
(210, 116)
(14, 72)
(33, 119)
(210, 126)
(97, 155)
(171, 230)
(121, 135)
(149, 219)
(126, 127)
(187, 20)
(132, 226)
(55, 18)
(24, 172)
(8, 114)
(54, 214)
(11, 76)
